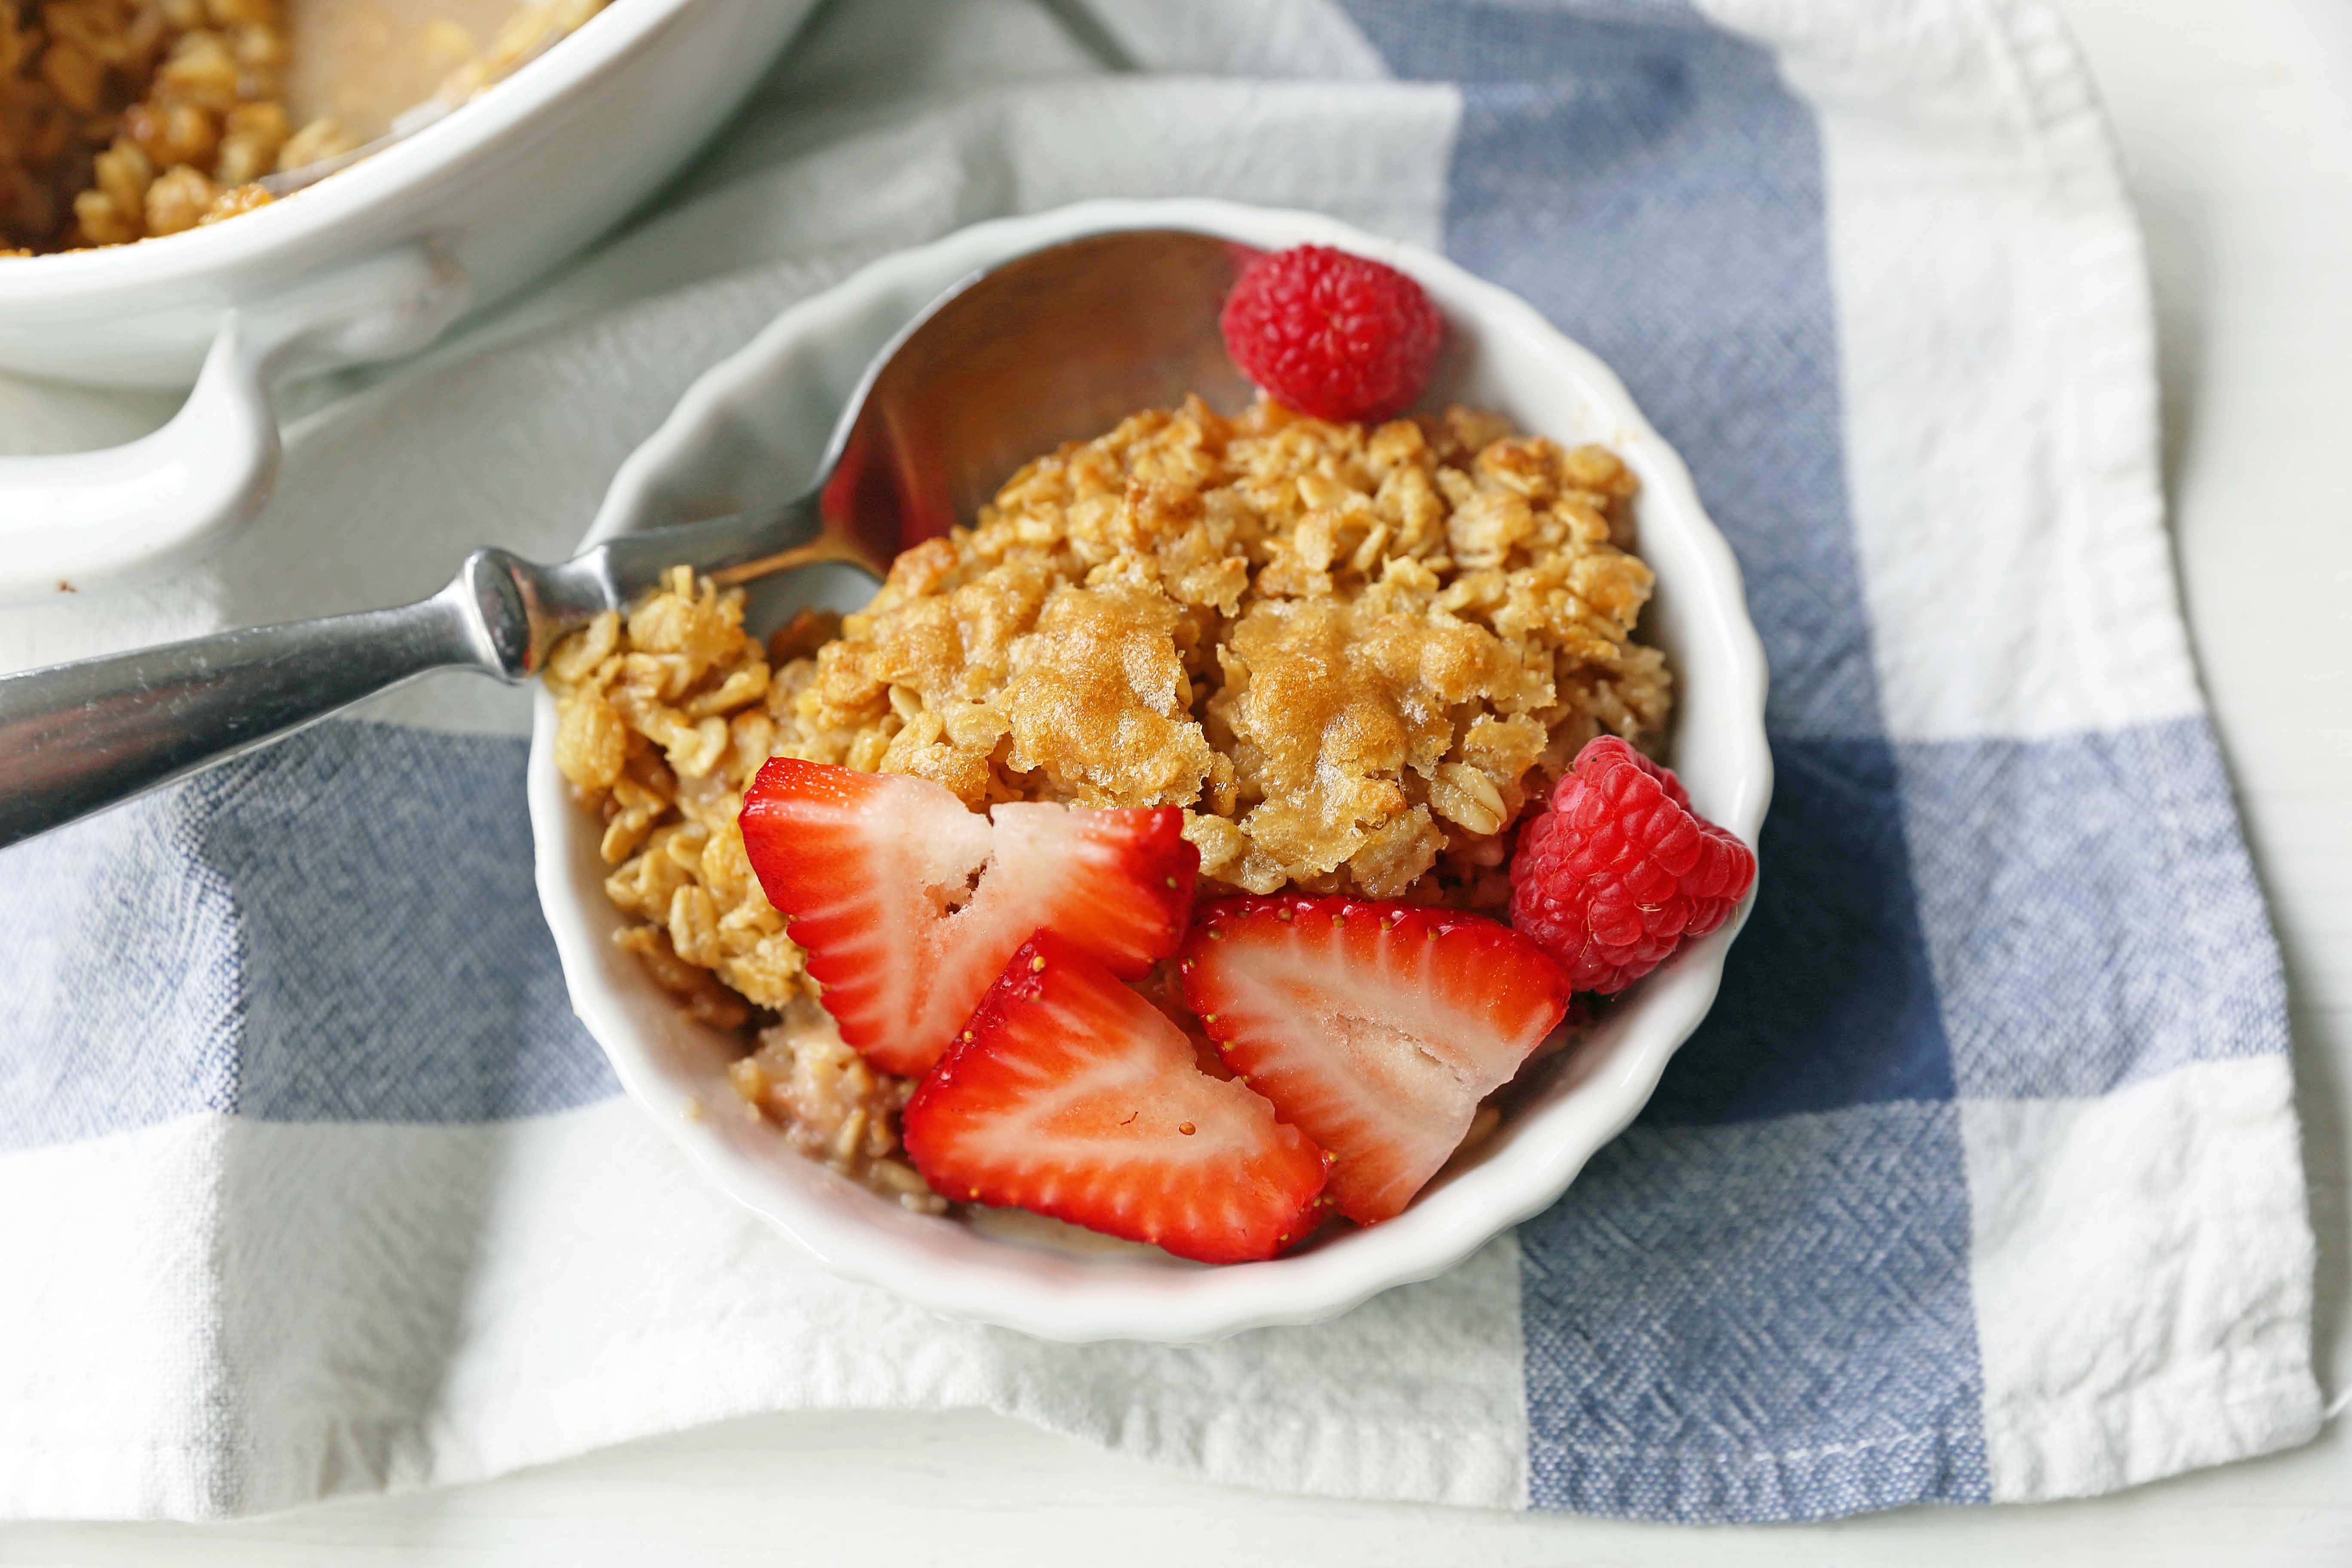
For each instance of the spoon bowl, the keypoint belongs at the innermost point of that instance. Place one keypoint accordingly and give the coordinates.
(1051, 346)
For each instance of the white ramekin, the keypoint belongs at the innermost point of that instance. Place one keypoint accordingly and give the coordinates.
(372, 263)
(751, 431)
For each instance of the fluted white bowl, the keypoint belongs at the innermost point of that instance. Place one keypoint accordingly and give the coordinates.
(751, 429)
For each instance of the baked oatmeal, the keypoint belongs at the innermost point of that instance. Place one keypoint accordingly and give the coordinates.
(1354, 655)
(835, 1109)
(127, 120)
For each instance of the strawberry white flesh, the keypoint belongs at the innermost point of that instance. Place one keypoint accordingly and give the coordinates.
(1375, 1028)
(1069, 1095)
(909, 905)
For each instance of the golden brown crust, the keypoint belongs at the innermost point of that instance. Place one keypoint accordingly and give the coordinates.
(1360, 650)
(1353, 656)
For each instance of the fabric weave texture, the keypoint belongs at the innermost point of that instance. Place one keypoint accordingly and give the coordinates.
(1980, 1183)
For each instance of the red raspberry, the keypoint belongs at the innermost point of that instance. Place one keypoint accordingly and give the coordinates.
(1333, 335)
(1620, 872)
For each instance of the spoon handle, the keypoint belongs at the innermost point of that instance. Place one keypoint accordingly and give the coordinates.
(77, 737)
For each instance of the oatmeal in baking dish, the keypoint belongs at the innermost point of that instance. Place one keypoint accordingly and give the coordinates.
(127, 120)
(1351, 656)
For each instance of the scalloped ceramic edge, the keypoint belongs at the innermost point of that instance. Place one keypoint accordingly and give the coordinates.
(751, 429)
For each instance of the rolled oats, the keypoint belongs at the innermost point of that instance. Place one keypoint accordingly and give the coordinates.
(833, 1106)
(1355, 658)
(125, 119)
(1363, 650)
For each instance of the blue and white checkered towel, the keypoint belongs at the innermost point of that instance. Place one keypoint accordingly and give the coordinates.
(1979, 1185)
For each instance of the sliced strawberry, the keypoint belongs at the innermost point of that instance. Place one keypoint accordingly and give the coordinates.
(1375, 1028)
(909, 905)
(1069, 1095)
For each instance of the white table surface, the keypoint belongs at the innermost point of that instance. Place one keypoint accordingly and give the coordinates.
(2236, 121)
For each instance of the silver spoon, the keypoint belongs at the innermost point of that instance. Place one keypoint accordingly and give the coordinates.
(1048, 347)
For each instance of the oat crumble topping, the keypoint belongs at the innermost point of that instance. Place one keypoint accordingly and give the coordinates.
(1354, 655)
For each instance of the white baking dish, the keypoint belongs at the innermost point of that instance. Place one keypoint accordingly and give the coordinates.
(369, 264)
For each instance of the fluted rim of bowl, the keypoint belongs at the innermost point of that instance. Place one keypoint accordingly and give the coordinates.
(438, 152)
(958, 1272)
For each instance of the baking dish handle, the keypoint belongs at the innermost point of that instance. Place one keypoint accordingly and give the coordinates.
(76, 520)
